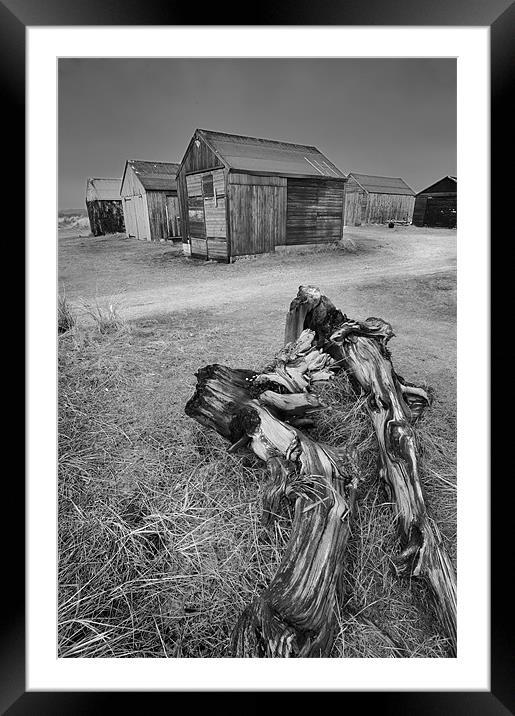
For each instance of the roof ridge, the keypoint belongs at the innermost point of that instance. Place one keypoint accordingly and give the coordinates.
(261, 139)
(151, 161)
(378, 176)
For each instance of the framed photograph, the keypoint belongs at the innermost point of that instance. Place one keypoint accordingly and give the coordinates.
(294, 152)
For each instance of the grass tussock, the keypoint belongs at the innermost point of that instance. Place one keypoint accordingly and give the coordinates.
(160, 541)
(106, 317)
(66, 318)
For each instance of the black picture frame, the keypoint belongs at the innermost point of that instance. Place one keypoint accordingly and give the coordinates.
(15, 16)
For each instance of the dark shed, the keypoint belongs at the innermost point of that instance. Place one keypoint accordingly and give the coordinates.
(150, 203)
(377, 200)
(243, 196)
(104, 206)
(437, 205)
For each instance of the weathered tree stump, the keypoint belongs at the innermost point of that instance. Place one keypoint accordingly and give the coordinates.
(295, 615)
(360, 349)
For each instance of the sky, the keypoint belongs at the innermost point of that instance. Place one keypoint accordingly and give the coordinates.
(389, 117)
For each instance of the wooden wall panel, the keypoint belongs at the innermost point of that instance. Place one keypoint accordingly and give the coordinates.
(198, 248)
(257, 218)
(137, 217)
(158, 216)
(217, 249)
(214, 208)
(314, 211)
(173, 215)
(254, 179)
(438, 211)
(353, 202)
(135, 206)
(196, 159)
(419, 210)
(105, 217)
(199, 158)
(381, 208)
(182, 193)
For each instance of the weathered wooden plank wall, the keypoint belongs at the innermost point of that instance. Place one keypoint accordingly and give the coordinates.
(198, 158)
(314, 211)
(257, 213)
(207, 223)
(156, 202)
(419, 210)
(105, 217)
(438, 210)
(381, 208)
(173, 215)
(214, 206)
(135, 209)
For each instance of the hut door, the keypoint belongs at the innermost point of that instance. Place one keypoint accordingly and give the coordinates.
(130, 217)
(196, 218)
(139, 212)
(172, 211)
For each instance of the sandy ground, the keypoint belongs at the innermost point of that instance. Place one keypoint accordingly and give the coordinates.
(145, 279)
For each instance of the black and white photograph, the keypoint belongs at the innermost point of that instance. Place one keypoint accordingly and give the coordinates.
(257, 263)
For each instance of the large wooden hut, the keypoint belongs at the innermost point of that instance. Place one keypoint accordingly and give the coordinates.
(377, 200)
(104, 206)
(242, 196)
(150, 203)
(437, 205)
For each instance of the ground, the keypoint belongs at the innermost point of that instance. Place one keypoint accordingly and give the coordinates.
(149, 498)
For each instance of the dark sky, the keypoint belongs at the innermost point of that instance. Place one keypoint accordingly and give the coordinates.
(392, 117)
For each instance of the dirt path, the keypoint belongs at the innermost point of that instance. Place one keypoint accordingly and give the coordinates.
(154, 280)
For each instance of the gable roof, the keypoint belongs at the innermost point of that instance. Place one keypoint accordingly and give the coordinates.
(252, 154)
(447, 183)
(102, 189)
(156, 176)
(382, 185)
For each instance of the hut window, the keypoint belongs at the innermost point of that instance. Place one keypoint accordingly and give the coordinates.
(207, 186)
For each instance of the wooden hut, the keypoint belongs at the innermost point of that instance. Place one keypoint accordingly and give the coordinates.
(150, 203)
(437, 205)
(104, 206)
(377, 200)
(242, 196)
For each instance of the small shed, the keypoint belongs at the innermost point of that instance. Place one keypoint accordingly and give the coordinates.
(104, 206)
(150, 203)
(377, 200)
(242, 196)
(437, 205)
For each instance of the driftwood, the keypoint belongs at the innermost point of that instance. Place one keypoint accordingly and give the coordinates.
(393, 404)
(295, 615)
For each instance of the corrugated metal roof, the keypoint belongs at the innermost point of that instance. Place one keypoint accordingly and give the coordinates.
(382, 185)
(102, 189)
(155, 175)
(270, 156)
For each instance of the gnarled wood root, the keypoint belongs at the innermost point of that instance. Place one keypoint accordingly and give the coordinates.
(295, 616)
(360, 348)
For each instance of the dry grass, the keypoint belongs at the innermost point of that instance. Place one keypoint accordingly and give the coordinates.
(106, 316)
(66, 319)
(160, 544)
